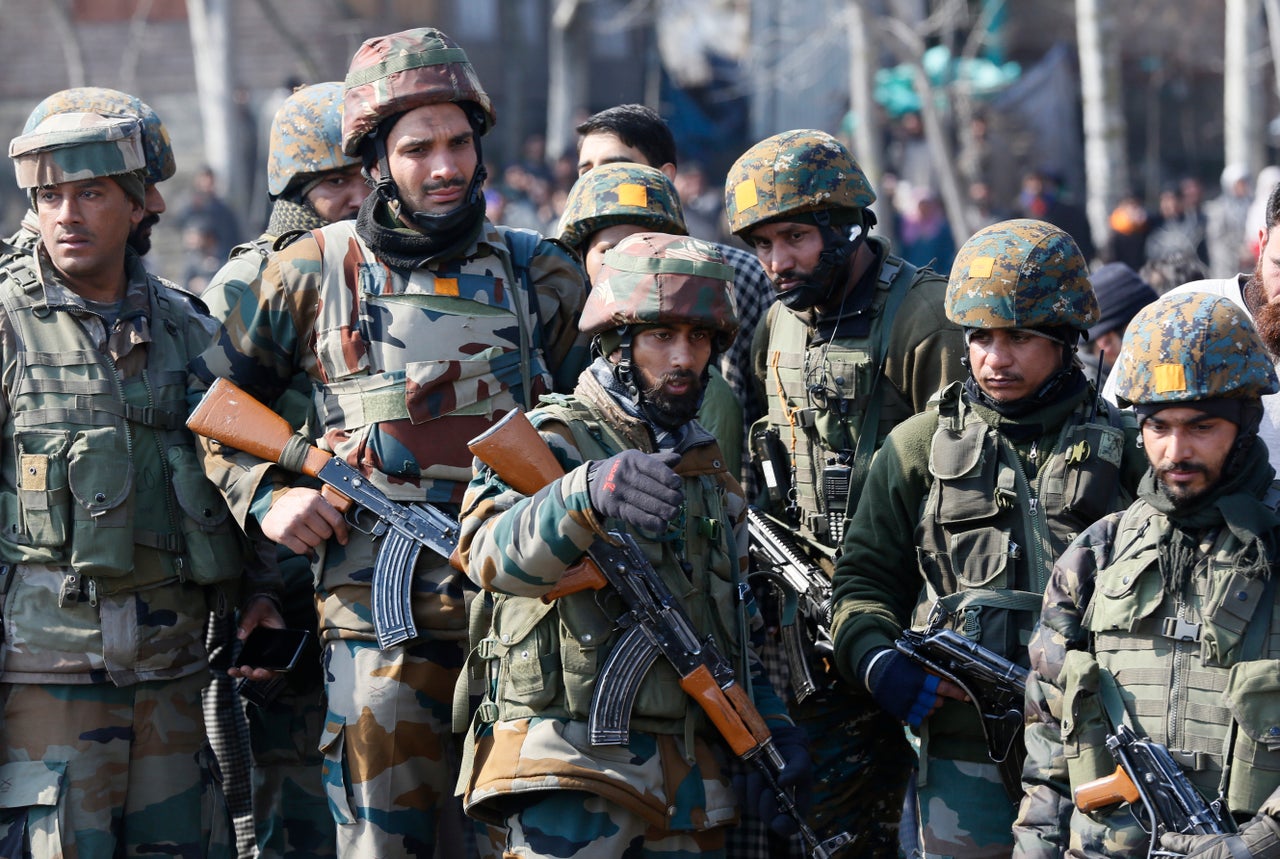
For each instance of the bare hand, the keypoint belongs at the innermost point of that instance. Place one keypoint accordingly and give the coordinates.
(261, 611)
(300, 520)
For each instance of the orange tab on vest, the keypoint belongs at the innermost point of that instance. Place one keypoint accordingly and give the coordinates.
(446, 286)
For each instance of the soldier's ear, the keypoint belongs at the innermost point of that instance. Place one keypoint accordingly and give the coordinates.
(669, 170)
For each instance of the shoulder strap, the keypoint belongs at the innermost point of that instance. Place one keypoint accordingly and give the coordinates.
(523, 246)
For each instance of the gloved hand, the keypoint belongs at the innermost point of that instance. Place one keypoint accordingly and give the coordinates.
(639, 488)
(1259, 837)
(902, 689)
(758, 800)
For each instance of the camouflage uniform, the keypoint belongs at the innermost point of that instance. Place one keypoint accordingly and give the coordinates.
(634, 194)
(663, 793)
(1194, 661)
(114, 545)
(156, 148)
(290, 810)
(974, 503)
(406, 362)
(818, 377)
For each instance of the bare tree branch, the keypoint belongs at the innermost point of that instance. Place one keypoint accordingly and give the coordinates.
(60, 12)
(309, 68)
(129, 57)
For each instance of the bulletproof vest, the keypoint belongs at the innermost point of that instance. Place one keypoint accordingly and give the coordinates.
(1200, 671)
(416, 363)
(988, 535)
(549, 656)
(103, 476)
(817, 397)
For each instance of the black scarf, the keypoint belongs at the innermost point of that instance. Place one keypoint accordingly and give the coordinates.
(403, 247)
(1235, 502)
(1026, 419)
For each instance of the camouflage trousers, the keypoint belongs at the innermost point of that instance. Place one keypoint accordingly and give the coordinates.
(964, 811)
(568, 824)
(98, 771)
(389, 759)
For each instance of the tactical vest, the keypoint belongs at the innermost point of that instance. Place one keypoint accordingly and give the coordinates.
(549, 656)
(818, 396)
(416, 363)
(1200, 672)
(988, 536)
(103, 476)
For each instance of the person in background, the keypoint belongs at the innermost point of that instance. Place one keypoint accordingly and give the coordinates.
(1121, 293)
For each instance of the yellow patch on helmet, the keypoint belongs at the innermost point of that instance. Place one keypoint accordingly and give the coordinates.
(745, 195)
(631, 194)
(446, 286)
(982, 266)
(1170, 378)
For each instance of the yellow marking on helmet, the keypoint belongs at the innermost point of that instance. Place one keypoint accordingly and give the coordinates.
(446, 286)
(1170, 378)
(745, 195)
(631, 194)
(982, 266)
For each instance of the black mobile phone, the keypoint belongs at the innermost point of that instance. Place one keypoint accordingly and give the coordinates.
(271, 648)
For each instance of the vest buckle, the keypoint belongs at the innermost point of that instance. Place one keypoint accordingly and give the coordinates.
(1180, 630)
(487, 712)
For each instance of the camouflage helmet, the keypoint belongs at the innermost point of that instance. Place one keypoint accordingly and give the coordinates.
(392, 74)
(659, 279)
(70, 147)
(112, 102)
(1021, 274)
(306, 136)
(792, 173)
(1192, 346)
(620, 194)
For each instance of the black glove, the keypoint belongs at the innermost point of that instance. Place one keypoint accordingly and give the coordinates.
(903, 689)
(758, 799)
(1259, 838)
(638, 488)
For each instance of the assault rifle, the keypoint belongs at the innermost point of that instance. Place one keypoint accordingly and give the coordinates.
(653, 624)
(1146, 772)
(995, 686)
(805, 625)
(229, 415)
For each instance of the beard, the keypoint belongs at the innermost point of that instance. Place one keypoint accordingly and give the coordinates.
(671, 411)
(140, 236)
(1183, 497)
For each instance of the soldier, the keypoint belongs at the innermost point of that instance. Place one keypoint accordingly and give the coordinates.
(155, 146)
(312, 182)
(636, 134)
(975, 499)
(1162, 617)
(416, 325)
(617, 200)
(115, 545)
(856, 340)
(637, 460)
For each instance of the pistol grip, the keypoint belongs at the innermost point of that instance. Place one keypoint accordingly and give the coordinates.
(582, 576)
(1109, 790)
(340, 502)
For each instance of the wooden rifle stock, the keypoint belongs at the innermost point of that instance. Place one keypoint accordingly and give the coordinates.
(517, 454)
(1108, 790)
(228, 414)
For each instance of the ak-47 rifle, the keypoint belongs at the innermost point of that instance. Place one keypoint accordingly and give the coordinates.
(653, 624)
(1146, 773)
(229, 415)
(805, 627)
(995, 686)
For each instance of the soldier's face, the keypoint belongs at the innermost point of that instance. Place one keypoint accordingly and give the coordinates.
(1188, 449)
(339, 194)
(1010, 363)
(1267, 270)
(788, 251)
(669, 361)
(153, 204)
(432, 155)
(603, 147)
(594, 248)
(84, 226)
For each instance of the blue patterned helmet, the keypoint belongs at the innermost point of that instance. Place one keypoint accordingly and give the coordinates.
(620, 194)
(1192, 346)
(306, 136)
(1021, 274)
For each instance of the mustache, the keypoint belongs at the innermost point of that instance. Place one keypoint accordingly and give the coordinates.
(1182, 466)
(457, 182)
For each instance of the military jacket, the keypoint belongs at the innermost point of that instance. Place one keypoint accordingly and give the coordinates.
(1198, 672)
(406, 367)
(110, 525)
(950, 506)
(546, 659)
(819, 392)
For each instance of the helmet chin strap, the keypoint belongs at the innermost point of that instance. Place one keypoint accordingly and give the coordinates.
(833, 265)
